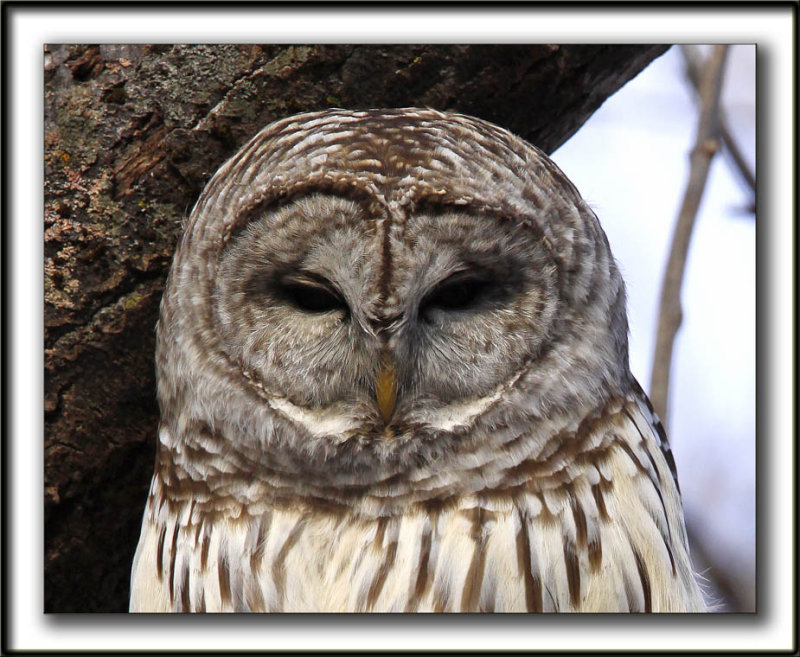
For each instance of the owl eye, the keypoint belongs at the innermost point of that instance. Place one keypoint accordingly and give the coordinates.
(312, 297)
(455, 293)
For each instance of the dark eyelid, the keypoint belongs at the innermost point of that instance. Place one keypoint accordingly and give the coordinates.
(296, 287)
(462, 290)
(477, 278)
(311, 280)
(461, 275)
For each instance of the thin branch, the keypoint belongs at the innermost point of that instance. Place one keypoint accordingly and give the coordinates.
(694, 63)
(706, 145)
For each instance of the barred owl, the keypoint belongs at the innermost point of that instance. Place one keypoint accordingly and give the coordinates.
(393, 375)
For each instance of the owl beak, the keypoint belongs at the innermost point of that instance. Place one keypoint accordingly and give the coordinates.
(386, 388)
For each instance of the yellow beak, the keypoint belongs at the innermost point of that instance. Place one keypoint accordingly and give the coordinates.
(386, 388)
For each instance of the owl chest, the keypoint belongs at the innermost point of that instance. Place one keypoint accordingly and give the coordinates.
(447, 562)
(596, 551)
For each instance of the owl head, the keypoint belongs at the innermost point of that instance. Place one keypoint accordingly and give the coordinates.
(382, 291)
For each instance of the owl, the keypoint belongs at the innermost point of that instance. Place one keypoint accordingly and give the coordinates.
(392, 366)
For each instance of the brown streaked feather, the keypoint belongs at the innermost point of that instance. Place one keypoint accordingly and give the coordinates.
(597, 492)
(645, 580)
(261, 539)
(254, 597)
(471, 594)
(160, 552)
(390, 551)
(580, 519)
(643, 442)
(204, 551)
(664, 445)
(278, 566)
(173, 552)
(595, 553)
(533, 588)
(423, 579)
(625, 447)
(185, 590)
(671, 556)
(573, 573)
(224, 577)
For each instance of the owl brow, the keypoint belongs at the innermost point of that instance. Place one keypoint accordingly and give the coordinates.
(472, 272)
(310, 279)
(261, 282)
(443, 202)
(280, 197)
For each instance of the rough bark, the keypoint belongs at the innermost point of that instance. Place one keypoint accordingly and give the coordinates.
(131, 135)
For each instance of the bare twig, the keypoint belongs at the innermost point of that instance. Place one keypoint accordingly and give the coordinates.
(706, 145)
(694, 63)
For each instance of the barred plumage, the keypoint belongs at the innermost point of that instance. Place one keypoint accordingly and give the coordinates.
(393, 375)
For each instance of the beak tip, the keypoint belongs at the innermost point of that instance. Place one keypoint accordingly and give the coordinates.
(386, 389)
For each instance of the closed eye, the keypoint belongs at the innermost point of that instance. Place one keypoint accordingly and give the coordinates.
(456, 293)
(312, 296)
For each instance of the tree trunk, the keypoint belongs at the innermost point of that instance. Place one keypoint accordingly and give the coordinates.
(132, 134)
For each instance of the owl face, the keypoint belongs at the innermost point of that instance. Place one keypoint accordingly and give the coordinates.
(359, 295)
(316, 307)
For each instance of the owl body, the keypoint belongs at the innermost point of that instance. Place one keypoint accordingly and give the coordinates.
(393, 374)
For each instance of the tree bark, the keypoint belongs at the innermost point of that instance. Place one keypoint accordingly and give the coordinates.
(132, 133)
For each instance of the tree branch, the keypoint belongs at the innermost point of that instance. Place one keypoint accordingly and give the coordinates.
(706, 145)
(694, 63)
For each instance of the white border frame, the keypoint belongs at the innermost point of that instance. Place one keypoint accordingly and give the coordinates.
(30, 27)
